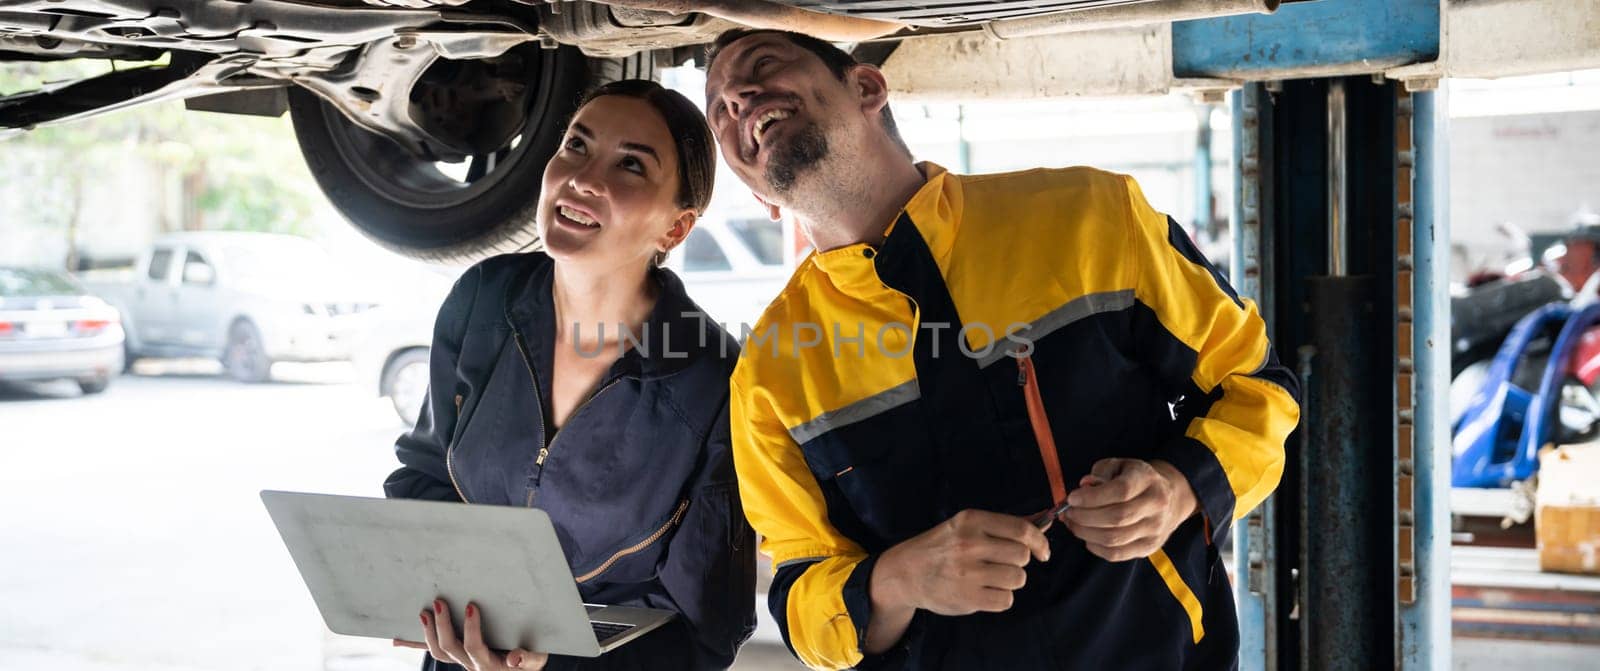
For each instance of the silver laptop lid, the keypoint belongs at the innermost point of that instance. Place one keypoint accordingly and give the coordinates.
(372, 565)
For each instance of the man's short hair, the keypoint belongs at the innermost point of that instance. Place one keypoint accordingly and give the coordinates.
(837, 60)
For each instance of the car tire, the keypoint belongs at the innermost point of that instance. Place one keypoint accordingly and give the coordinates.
(245, 356)
(129, 357)
(405, 383)
(406, 204)
(94, 385)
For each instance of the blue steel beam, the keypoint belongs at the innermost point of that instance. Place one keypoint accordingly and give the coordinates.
(1335, 506)
(1308, 39)
(1425, 624)
(1253, 548)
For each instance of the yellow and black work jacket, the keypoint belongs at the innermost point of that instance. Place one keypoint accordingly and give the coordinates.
(879, 395)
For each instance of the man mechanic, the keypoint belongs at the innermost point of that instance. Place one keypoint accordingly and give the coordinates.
(882, 432)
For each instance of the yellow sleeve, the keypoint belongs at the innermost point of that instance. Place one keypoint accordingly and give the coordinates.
(813, 562)
(1211, 346)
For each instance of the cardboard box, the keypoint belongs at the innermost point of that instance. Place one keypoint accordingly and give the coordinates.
(1567, 509)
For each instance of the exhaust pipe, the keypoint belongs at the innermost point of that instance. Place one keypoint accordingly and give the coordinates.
(762, 14)
(1124, 16)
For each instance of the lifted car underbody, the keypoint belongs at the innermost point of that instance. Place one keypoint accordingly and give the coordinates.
(372, 59)
(382, 92)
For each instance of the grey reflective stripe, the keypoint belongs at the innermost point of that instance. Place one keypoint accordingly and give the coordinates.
(1078, 308)
(863, 409)
(801, 560)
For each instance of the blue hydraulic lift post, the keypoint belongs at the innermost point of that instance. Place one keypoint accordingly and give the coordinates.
(1360, 41)
(1343, 338)
(1310, 40)
(1331, 517)
(1252, 542)
(1425, 624)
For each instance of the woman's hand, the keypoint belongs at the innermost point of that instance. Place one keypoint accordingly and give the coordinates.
(469, 650)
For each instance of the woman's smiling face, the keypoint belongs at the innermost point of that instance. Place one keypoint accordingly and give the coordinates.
(610, 194)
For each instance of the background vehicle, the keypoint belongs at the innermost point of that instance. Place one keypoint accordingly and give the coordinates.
(731, 267)
(428, 122)
(1528, 400)
(50, 328)
(394, 352)
(248, 299)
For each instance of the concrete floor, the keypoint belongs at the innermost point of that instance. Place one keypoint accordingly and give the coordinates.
(134, 539)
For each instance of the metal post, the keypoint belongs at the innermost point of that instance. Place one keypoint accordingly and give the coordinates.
(1338, 181)
(1333, 577)
(1202, 173)
(1425, 623)
(1346, 584)
(1254, 552)
(1340, 580)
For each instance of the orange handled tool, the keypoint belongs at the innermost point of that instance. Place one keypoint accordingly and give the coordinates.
(1047, 443)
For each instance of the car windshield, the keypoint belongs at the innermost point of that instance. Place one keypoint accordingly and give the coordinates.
(33, 282)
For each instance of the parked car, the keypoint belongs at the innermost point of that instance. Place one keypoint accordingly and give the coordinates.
(248, 299)
(731, 267)
(51, 328)
(393, 355)
(428, 122)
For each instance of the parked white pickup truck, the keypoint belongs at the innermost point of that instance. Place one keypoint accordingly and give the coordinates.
(248, 299)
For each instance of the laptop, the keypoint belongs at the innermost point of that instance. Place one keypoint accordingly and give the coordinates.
(372, 565)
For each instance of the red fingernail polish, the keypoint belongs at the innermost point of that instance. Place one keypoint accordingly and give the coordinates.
(514, 659)
(424, 619)
(438, 607)
(472, 610)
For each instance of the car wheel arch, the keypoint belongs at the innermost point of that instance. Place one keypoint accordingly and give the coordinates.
(387, 370)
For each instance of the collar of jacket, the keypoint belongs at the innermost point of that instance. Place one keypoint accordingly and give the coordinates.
(676, 326)
(934, 211)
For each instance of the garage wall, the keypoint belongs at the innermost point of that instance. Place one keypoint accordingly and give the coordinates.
(1150, 138)
(1534, 170)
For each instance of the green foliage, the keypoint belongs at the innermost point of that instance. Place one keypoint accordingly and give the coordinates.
(227, 172)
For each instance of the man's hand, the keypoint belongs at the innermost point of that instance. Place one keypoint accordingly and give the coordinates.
(1127, 508)
(972, 562)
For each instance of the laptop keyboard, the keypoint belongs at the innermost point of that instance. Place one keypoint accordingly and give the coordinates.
(603, 631)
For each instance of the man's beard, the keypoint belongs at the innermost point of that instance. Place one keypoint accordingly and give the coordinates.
(802, 152)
